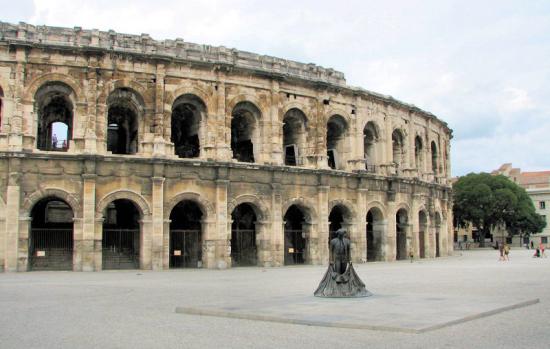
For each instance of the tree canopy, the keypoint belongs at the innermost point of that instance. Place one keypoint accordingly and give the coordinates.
(487, 201)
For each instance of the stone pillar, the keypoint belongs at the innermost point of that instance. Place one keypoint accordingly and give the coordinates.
(13, 203)
(88, 222)
(223, 225)
(390, 243)
(209, 259)
(2, 236)
(362, 194)
(380, 231)
(415, 226)
(430, 251)
(312, 243)
(157, 224)
(277, 227)
(98, 242)
(159, 143)
(263, 243)
(146, 242)
(23, 243)
(166, 244)
(223, 122)
(323, 224)
(78, 243)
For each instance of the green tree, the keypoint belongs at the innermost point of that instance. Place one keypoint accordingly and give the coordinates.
(488, 201)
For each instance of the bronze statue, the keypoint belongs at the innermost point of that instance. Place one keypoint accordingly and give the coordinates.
(340, 280)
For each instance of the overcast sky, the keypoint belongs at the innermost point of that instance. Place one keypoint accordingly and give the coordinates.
(481, 66)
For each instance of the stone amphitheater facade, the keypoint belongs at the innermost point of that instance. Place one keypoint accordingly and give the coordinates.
(171, 154)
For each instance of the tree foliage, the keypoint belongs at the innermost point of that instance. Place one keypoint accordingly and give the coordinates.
(488, 201)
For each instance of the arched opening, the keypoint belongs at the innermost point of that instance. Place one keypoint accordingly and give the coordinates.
(51, 236)
(124, 110)
(374, 234)
(54, 107)
(418, 154)
(295, 236)
(370, 137)
(437, 236)
(245, 136)
(422, 232)
(337, 129)
(402, 224)
(339, 217)
(188, 114)
(243, 236)
(434, 158)
(121, 235)
(294, 136)
(1, 106)
(186, 235)
(398, 149)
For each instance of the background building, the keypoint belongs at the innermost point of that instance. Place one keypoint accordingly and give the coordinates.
(537, 185)
(119, 151)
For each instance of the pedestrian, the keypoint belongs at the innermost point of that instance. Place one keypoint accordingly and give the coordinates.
(542, 254)
(411, 254)
(501, 250)
(537, 253)
(532, 245)
(506, 252)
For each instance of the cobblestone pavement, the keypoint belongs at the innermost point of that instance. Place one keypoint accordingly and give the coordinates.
(135, 309)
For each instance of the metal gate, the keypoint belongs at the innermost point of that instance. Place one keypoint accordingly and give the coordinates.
(120, 248)
(295, 247)
(185, 249)
(51, 249)
(243, 247)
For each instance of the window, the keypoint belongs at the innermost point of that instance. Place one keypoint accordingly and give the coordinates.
(544, 239)
(542, 205)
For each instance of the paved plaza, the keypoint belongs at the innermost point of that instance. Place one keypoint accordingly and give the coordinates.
(477, 301)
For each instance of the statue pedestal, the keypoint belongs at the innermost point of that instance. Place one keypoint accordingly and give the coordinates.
(345, 285)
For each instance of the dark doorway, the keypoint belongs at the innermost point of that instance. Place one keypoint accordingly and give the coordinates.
(336, 218)
(51, 236)
(244, 131)
(295, 241)
(187, 115)
(437, 229)
(374, 235)
(294, 136)
(401, 234)
(336, 134)
(121, 235)
(185, 235)
(124, 108)
(243, 236)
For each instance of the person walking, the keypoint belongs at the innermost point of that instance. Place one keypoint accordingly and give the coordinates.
(501, 251)
(542, 254)
(506, 252)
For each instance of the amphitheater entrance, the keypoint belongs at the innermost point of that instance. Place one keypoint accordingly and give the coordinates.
(124, 108)
(374, 235)
(51, 235)
(187, 114)
(121, 235)
(401, 234)
(55, 116)
(245, 132)
(185, 235)
(295, 236)
(243, 236)
(423, 224)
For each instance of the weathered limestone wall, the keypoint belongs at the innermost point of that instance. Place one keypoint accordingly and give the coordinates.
(94, 65)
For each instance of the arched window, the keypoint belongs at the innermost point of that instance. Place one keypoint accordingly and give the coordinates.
(245, 133)
(54, 106)
(370, 138)
(398, 142)
(418, 154)
(434, 158)
(294, 136)
(337, 130)
(188, 114)
(125, 108)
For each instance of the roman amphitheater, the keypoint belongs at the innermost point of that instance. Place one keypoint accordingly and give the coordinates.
(119, 151)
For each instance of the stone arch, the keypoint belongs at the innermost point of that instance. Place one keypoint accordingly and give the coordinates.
(245, 97)
(308, 210)
(294, 136)
(405, 206)
(289, 106)
(260, 209)
(340, 112)
(378, 205)
(349, 209)
(246, 132)
(40, 194)
(38, 82)
(337, 139)
(398, 146)
(206, 206)
(192, 90)
(130, 195)
(188, 120)
(2, 209)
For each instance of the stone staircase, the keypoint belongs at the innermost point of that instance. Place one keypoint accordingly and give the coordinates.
(124, 259)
